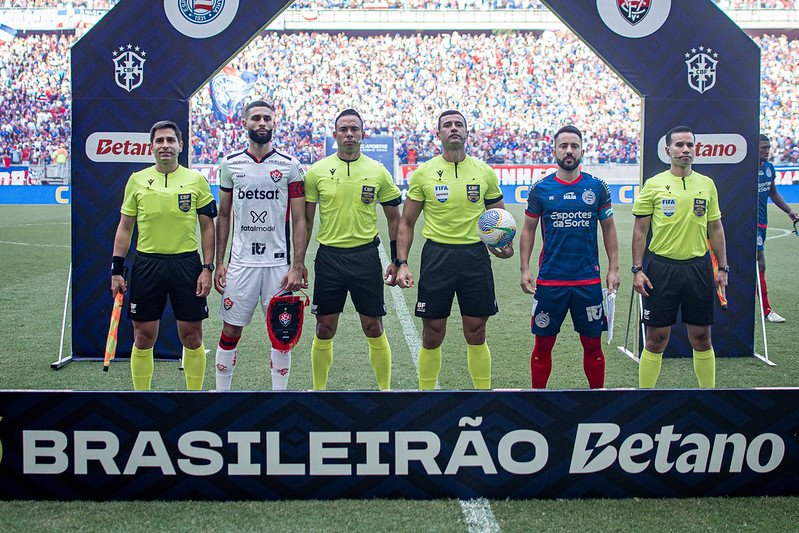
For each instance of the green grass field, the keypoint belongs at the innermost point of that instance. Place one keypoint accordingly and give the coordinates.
(35, 258)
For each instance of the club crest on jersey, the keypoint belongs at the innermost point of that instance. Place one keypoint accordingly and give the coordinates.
(473, 193)
(589, 197)
(367, 194)
(184, 202)
(700, 206)
(668, 206)
(634, 11)
(701, 68)
(276, 175)
(129, 67)
(442, 193)
(228, 303)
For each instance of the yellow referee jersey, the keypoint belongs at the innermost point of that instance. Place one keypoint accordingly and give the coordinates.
(680, 210)
(348, 192)
(165, 207)
(454, 196)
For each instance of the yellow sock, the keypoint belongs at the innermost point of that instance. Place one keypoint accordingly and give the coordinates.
(141, 368)
(429, 367)
(479, 360)
(649, 369)
(321, 359)
(194, 367)
(380, 357)
(705, 368)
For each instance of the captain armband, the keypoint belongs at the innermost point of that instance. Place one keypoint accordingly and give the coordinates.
(208, 209)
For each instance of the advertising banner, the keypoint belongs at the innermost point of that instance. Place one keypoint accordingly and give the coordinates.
(319, 445)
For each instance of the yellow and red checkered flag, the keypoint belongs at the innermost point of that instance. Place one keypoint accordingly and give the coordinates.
(111, 341)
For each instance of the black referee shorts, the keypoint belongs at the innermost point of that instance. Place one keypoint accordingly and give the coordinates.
(156, 276)
(686, 285)
(449, 269)
(357, 270)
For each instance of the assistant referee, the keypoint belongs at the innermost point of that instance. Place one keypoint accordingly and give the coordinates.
(453, 189)
(166, 200)
(682, 207)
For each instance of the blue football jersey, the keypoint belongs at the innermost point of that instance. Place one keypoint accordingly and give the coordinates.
(765, 176)
(569, 214)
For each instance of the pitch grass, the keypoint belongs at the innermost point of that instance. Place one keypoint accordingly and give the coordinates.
(34, 260)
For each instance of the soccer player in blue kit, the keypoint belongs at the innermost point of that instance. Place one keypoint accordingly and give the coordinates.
(765, 190)
(569, 203)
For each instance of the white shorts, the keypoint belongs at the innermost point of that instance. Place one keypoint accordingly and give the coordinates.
(244, 286)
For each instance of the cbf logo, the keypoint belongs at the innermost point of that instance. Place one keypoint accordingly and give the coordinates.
(129, 66)
(701, 65)
(634, 11)
(473, 193)
(367, 194)
(700, 206)
(184, 202)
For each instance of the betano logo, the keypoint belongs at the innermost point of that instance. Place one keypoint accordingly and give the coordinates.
(713, 148)
(119, 147)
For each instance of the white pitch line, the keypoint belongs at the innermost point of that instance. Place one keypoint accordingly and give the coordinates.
(479, 517)
(477, 513)
(42, 245)
(784, 233)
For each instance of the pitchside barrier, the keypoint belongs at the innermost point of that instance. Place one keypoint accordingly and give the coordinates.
(421, 445)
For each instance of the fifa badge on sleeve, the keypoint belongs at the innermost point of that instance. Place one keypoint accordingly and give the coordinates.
(284, 320)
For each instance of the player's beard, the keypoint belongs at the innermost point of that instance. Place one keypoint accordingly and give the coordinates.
(568, 166)
(260, 139)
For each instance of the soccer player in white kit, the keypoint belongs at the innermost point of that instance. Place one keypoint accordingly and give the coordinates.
(265, 189)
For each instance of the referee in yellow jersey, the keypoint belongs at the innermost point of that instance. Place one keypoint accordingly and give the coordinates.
(682, 208)
(453, 189)
(347, 186)
(166, 201)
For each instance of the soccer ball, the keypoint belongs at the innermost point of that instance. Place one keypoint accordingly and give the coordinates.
(496, 227)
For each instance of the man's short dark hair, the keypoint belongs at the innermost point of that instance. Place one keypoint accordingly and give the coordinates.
(678, 129)
(161, 124)
(446, 114)
(348, 112)
(569, 129)
(257, 103)
(764, 139)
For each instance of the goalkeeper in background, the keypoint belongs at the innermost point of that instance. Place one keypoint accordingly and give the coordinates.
(166, 201)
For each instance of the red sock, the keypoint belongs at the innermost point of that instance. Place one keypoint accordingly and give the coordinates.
(541, 360)
(228, 343)
(593, 361)
(764, 294)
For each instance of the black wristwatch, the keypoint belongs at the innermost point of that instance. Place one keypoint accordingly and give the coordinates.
(635, 269)
(725, 268)
(209, 266)
(398, 262)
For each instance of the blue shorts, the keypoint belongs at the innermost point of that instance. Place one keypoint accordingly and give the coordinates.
(583, 301)
(761, 237)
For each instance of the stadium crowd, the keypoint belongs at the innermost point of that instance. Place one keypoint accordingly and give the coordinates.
(513, 88)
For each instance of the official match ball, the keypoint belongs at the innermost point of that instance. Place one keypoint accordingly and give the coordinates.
(496, 227)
